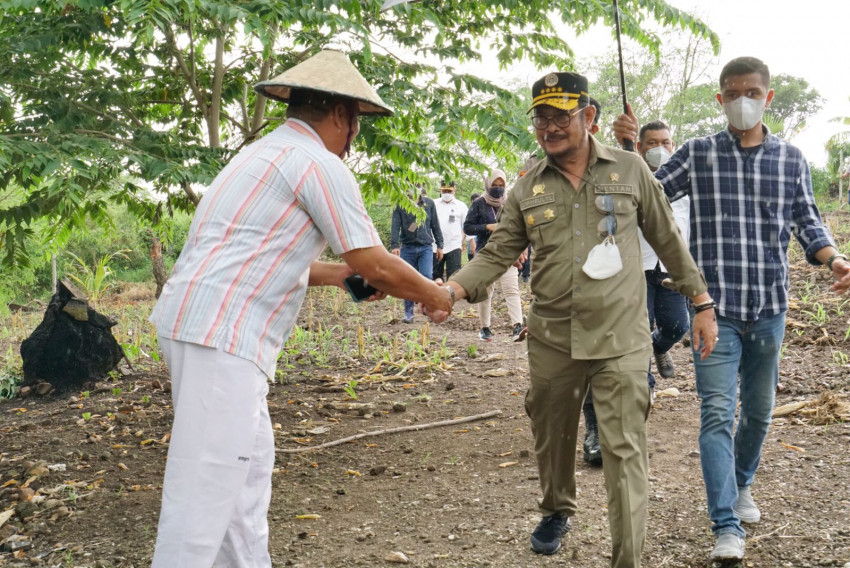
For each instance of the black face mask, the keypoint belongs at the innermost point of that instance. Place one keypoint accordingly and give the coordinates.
(496, 192)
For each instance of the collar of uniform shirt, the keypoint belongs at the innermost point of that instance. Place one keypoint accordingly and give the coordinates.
(592, 183)
(597, 151)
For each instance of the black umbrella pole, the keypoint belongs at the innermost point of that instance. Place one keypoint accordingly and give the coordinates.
(628, 145)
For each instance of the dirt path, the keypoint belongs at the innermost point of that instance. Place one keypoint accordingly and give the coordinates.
(459, 496)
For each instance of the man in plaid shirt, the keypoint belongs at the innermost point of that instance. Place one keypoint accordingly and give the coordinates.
(749, 192)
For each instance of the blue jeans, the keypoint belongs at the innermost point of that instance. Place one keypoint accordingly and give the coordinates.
(420, 257)
(750, 349)
(668, 314)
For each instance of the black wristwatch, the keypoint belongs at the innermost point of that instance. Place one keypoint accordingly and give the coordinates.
(831, 259)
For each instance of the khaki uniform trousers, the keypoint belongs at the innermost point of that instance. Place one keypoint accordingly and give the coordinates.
(621, 398)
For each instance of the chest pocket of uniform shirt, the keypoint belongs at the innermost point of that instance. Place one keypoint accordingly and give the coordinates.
(618, 200)
(538, 214)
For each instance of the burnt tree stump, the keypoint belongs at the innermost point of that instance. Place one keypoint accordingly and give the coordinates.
(72, 346)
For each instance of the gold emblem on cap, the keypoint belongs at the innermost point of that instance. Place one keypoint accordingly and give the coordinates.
(530, 219)
(549, 214)
(550, 80)
(615, 177)
(538, 189)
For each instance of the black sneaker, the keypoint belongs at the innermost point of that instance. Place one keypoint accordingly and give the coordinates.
(517, 333)
(664, 364)
(485, 334)
(546, 538)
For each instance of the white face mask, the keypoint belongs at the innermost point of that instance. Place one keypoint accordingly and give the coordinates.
(447, 196)
(656, 157)
(603, 260)
(744, 113)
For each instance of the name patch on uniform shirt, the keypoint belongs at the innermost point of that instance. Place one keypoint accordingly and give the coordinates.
(535, 201)
(605, 188)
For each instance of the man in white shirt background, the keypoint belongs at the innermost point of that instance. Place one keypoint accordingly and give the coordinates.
(668, 310)
(451, 212)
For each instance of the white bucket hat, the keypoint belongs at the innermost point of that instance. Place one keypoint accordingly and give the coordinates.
(329, 71)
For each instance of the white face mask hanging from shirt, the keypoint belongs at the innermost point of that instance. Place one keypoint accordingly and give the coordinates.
(744, 113)
(603, 260)
(656, 157)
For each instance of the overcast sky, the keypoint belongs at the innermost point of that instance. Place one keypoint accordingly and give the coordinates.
(805, 39)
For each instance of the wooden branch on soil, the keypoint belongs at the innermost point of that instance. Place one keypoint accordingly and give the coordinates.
(415, 427)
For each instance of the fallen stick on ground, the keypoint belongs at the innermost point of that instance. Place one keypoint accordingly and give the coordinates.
(392, 431)
(765, 535)
(790, 408)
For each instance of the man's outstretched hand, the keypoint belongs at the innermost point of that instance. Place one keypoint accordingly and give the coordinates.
(439, 314)
(841, 271)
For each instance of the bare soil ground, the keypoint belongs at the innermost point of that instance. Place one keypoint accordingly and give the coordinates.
(80, 476)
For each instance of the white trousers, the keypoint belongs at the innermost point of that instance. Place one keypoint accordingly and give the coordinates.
(510, 290)
(217, 489)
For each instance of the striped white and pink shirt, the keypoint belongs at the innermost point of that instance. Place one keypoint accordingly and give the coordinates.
(241, 278)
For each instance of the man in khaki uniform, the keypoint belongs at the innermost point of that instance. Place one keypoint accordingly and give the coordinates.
(587, 330)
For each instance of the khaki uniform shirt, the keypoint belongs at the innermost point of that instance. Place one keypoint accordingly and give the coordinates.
(585, 318)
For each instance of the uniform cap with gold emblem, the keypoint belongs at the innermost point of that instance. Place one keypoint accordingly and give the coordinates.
(564, 91)
(331, 72)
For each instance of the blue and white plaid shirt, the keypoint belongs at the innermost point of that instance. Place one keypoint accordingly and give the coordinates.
(745, 202)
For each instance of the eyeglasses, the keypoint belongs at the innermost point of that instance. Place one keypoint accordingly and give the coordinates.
(561, 120)
(608, 224)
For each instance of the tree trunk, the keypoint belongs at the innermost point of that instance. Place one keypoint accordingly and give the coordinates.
(215, 104)
(155, 252)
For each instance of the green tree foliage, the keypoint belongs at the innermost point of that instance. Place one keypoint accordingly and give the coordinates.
(675, 87)
(841, 137)
(793, 102)
(141, 102)
(679, 89)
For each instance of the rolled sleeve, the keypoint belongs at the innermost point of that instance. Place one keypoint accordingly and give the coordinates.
(808, 228)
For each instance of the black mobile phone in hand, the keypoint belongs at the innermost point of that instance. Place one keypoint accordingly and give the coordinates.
(358, 288)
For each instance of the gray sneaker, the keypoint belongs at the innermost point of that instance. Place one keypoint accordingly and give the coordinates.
(745, 508)
(728, 547)
(664, 364)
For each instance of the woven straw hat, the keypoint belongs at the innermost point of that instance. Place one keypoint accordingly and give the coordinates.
(329, 71)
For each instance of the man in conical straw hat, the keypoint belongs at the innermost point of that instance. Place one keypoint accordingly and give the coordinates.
(234, 296)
